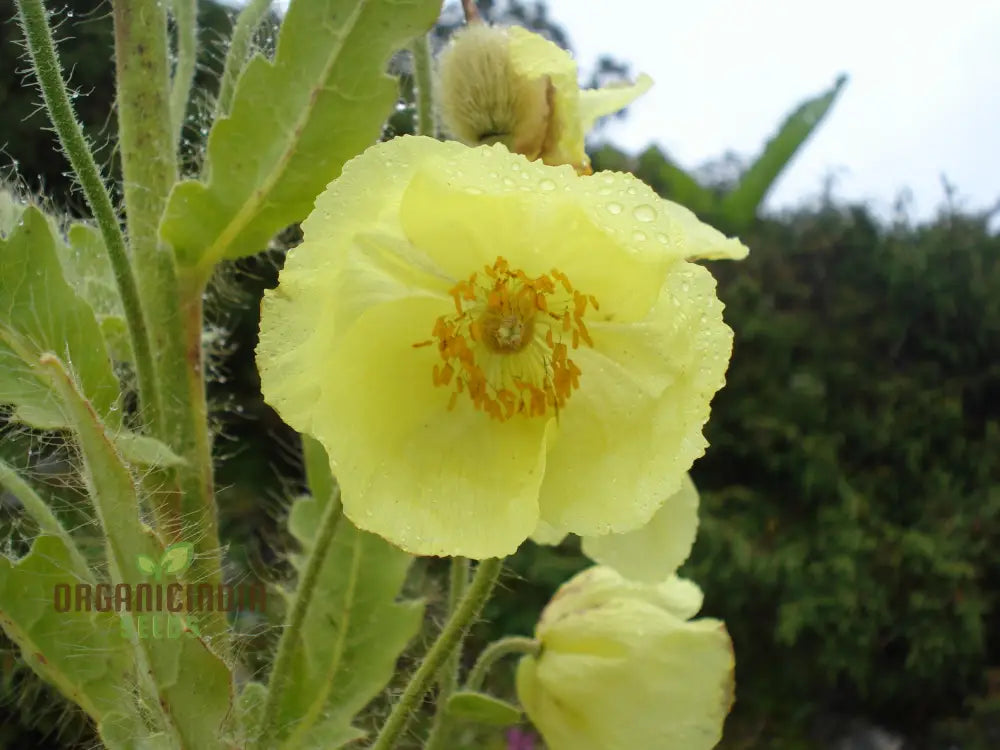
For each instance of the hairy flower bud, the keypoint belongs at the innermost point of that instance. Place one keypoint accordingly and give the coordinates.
(507, 85)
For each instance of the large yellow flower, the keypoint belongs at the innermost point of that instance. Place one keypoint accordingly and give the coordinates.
(508, 85)
(621, 667)
(484, 344)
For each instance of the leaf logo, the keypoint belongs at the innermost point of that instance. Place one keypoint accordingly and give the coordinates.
(176, 559)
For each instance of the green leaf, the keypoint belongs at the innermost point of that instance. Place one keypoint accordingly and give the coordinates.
(184, 677)
(293, 124)
(82, 653)
(147, 565)
(249, 710)
(354, 631)
(483, 709)
(145, 451)
(120, 732)
(673, 183)
(40, 312)
(740, 206)
(88, 269)
(177, 558)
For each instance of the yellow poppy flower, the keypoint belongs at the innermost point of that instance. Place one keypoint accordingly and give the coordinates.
(622, 666)
(508, 85)
(653, 552)
(483, 343)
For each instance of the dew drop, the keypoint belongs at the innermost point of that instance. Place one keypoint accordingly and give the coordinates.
(662, 237)
(614, 208)
(508, 182)
(644, 212)
(547, 185)
(639, 236)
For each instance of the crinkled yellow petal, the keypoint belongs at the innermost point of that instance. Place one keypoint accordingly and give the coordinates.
(621, 205)
(463, 232)
(545, 534)
(597, 103)
(600, 584)
(652, 552)
(618, 671)
(629, 210)
(634, 428)
(430, 480)
(534, 56)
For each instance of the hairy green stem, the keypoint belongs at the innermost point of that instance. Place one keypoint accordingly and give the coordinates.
(239, 47)
(42, 514)
(49, 75)
(291, 636)
(447, 641)
(173, 304)
(496, 651)
(424, 81)
(448, 679)
(185, 13)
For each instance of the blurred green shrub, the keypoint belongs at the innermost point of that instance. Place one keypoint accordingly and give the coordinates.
(851, 495)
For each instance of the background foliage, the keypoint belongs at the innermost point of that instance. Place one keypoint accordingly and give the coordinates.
(851, 495)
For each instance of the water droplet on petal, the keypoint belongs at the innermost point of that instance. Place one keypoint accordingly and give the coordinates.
(662, 237)
(614, 208)
(547, 184)
(644, 212)
(639, 236)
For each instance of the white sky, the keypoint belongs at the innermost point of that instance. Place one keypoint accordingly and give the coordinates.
(923, 97)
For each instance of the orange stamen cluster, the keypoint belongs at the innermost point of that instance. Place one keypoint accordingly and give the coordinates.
(523, 320)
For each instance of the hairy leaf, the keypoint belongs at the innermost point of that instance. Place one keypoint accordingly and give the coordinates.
(182, 674)
(146, 451)
(674, 183)
(88, 269)
(121, 732)
(353, 633)
(483, 709)
(82, 653)
(40, 312)
(293, 124)
(740, 206)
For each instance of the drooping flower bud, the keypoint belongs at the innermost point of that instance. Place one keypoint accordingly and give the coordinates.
(622, 666)
(508, 85)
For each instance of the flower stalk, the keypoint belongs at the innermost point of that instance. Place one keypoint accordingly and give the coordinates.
(448, 679)
(185, 13)
(48, 72)
(173, 305)
(424, 81)
(291, 636)
(497, 651)
(447, 642)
